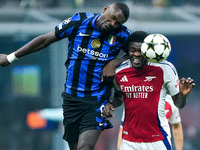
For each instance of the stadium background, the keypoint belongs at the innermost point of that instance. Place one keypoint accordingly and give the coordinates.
(36, 81)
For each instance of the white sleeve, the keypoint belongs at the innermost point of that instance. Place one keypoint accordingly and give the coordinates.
(171, 78)
(175, 117)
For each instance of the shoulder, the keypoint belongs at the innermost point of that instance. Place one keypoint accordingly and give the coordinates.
(123, 65)
(166, 66)
(124, 28)
(124, 31)
(82, 16)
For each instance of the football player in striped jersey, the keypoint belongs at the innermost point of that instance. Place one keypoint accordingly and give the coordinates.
(94, 40)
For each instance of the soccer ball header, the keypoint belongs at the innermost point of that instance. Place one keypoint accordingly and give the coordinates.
(156, 48)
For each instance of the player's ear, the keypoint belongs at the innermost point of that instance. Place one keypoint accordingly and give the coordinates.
(105, 9)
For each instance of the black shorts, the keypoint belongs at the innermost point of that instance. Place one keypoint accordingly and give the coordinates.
(82, 114)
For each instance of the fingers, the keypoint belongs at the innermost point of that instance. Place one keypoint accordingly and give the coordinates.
(106, 111)
(3, 60)
(189, 80)
(186, 85)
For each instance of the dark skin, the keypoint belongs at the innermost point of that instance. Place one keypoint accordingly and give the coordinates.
(111, 18)
(138, 61)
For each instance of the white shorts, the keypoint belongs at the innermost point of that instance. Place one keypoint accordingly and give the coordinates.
(159, 145)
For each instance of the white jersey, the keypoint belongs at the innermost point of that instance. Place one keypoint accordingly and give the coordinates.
(171, 111)
(144, 99)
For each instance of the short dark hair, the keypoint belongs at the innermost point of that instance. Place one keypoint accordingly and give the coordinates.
(124, 8)
(138, 36)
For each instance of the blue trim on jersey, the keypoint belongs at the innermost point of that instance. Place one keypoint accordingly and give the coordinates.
(171, 66)
(93, 21)
(161, 129)
(123, 64)
(165, 140)
(167, 144)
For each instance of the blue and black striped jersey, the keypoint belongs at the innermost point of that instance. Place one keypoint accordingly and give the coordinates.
(88, 52)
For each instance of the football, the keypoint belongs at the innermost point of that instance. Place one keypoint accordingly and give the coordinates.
(156, 48)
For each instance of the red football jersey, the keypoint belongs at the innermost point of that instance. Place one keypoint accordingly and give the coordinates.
(144, 99)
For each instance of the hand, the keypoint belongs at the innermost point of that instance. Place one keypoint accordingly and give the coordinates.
(108, 72)
(186, 85)
(106, 110)
(3, 60)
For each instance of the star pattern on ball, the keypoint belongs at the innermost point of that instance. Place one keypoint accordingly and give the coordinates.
(156, 48)
(159, 57)
(165, 44)
(151, 45)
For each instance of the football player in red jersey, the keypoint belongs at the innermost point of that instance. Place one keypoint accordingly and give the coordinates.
(173, 117)
(142, 86)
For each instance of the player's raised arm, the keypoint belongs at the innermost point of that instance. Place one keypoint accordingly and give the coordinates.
(185, 87)
(34, 45)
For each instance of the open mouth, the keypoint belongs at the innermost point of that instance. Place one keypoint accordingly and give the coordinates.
(136, 61)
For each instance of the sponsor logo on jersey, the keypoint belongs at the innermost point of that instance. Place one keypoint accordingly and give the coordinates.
(82, 34)
(177, 83)
(92, 52)
(133, 88)
(124, 79)
(149, 78)
(96, 43)
(125, 132)
(100, 124)
(136, 91)
(65, 22)
(155, 135)
(111, 39)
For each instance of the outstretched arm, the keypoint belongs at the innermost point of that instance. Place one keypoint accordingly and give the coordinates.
(177, 132)
(185, 87)
(35, 45)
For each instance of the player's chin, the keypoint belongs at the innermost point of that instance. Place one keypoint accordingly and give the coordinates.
(106, 29)
(137, 65)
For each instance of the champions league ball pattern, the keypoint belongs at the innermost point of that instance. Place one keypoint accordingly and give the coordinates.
(156, 48)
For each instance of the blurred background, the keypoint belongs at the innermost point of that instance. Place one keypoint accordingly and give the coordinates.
(36, 81)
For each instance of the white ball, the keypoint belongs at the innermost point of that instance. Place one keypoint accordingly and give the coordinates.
(156, 48)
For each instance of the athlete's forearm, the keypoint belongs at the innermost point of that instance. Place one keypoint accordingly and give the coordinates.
(119, 60)
(178, 135)
(119, 140)
(117, 99)
(36, 44)
(179, 100)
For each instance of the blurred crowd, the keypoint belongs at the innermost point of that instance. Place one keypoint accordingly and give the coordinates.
(82, 3)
